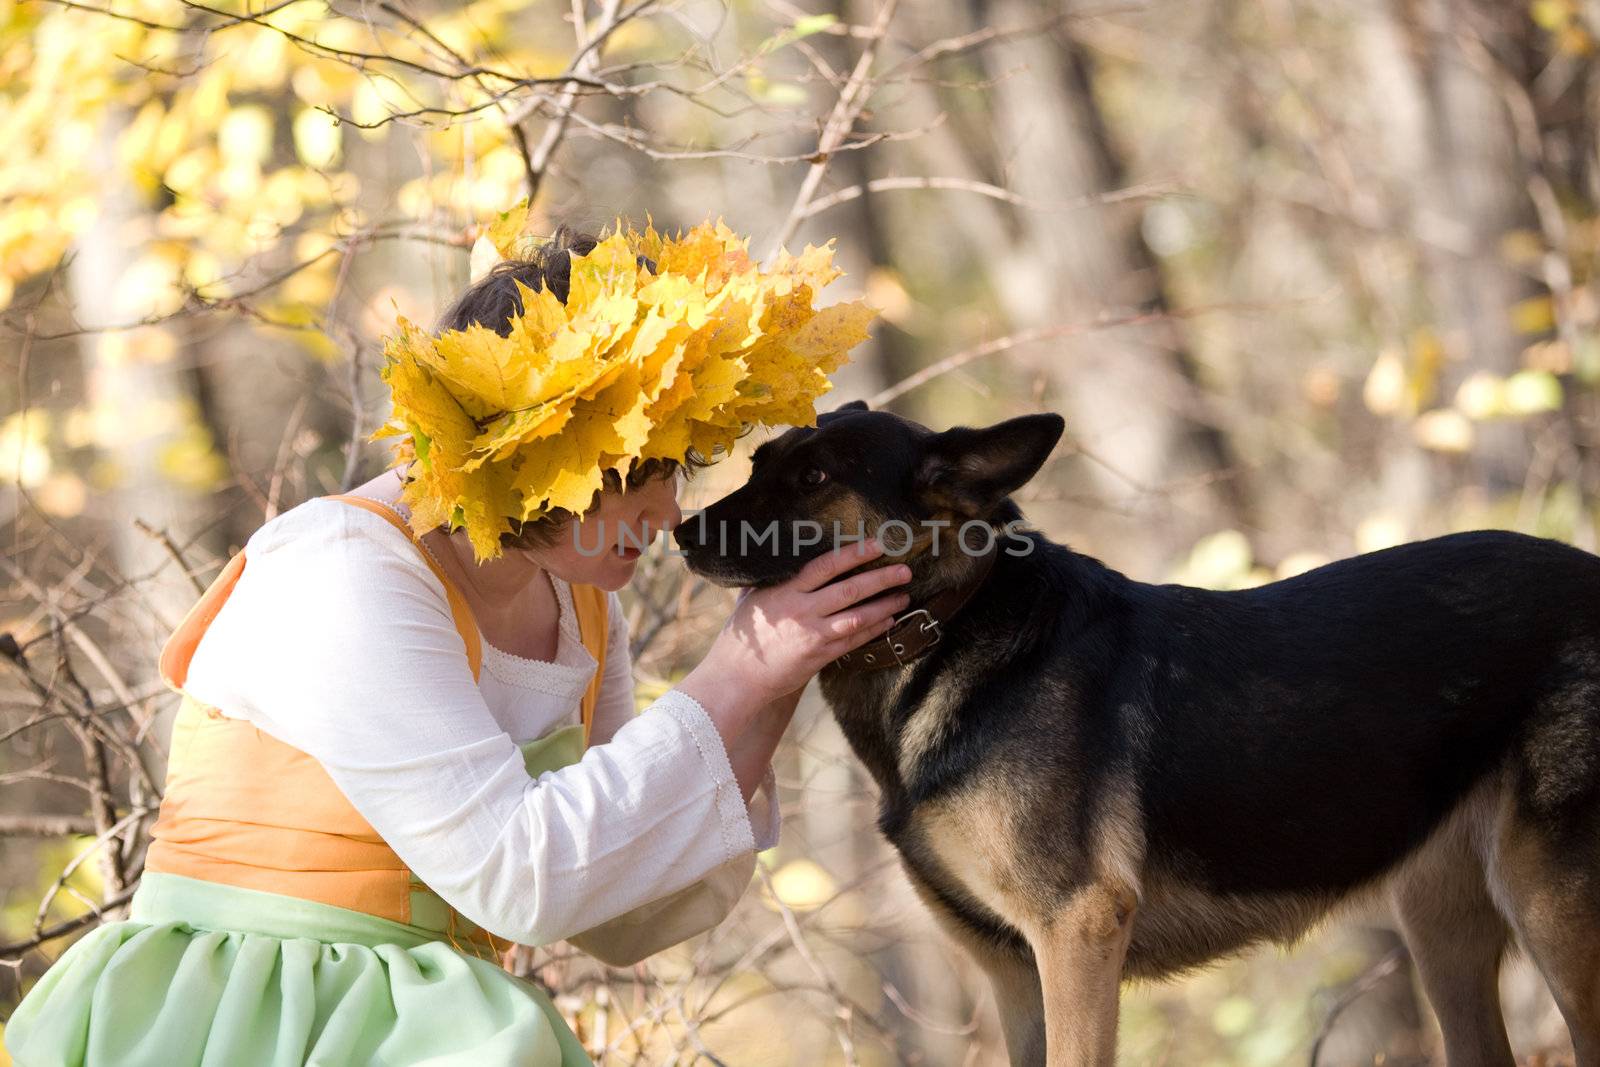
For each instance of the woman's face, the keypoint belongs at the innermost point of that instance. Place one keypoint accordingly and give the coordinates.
(604, 547)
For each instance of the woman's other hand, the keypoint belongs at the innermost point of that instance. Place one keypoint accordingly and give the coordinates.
(779, 637)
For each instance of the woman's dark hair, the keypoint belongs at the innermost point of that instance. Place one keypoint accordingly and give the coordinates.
(493, 302)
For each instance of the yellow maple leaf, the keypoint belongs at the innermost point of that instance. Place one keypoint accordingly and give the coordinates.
(487, 375)
(507, 227)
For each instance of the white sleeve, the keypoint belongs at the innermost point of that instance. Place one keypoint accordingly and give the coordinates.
(615, 707)
(668, 920)
(356, 661)
(646, 930)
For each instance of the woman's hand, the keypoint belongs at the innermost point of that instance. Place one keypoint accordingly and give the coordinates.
(779, 637)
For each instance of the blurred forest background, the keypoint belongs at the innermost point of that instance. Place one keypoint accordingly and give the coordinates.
(1306, 277)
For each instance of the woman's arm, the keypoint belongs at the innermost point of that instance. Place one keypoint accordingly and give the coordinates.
(777, 638)
(617, 705)
(669, 920)
(753, 750)
(338, 640)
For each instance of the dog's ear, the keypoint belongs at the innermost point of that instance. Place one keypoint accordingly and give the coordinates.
(969, 471)
(854, 405)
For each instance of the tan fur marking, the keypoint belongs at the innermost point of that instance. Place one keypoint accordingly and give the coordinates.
(1555, 908)
(1119, 835)
(1080, 954)
(1455, 935)
(973, 834)
(847, 517)
(925, 729)
(1017, 994)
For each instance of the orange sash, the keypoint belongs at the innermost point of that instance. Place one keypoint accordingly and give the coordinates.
(244, 809)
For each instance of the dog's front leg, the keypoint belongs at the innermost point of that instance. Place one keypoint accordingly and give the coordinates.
(1016, 992)
(1080, 950)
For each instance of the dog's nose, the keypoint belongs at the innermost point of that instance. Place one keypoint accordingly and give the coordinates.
(690, 533)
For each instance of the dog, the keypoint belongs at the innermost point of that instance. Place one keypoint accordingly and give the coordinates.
(1090, 779)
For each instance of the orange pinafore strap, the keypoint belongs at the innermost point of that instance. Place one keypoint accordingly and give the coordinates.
(459, 608)
(589, 603)
(180, 647)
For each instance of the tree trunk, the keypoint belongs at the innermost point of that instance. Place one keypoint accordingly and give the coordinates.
(1129, 392)
(139, 375)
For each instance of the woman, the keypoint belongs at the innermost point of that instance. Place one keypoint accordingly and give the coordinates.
(392, 762)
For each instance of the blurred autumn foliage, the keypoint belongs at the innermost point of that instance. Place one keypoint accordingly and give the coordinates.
(1306, 279)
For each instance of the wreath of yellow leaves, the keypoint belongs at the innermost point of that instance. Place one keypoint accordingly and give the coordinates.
(635, 365)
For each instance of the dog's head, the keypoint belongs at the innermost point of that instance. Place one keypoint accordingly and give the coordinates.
(861, 473)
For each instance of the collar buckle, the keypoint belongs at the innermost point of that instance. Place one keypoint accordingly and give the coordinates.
(900, 645)
(929, 626)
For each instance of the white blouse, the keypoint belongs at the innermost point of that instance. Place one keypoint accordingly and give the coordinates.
(338, 640)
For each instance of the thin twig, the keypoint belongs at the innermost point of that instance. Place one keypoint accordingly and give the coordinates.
(1142, 191)
(846, 110)
(45, 825)
(1052, 333)
(1356, 990)
(17, 948)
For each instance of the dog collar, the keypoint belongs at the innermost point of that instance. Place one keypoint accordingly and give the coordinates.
(918, 629)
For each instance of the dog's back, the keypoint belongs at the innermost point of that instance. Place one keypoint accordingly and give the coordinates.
(1358, 704)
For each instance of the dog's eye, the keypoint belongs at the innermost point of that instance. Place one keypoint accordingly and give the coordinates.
(813, 476)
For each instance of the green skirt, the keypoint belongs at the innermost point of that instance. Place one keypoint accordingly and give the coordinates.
(208, 975)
